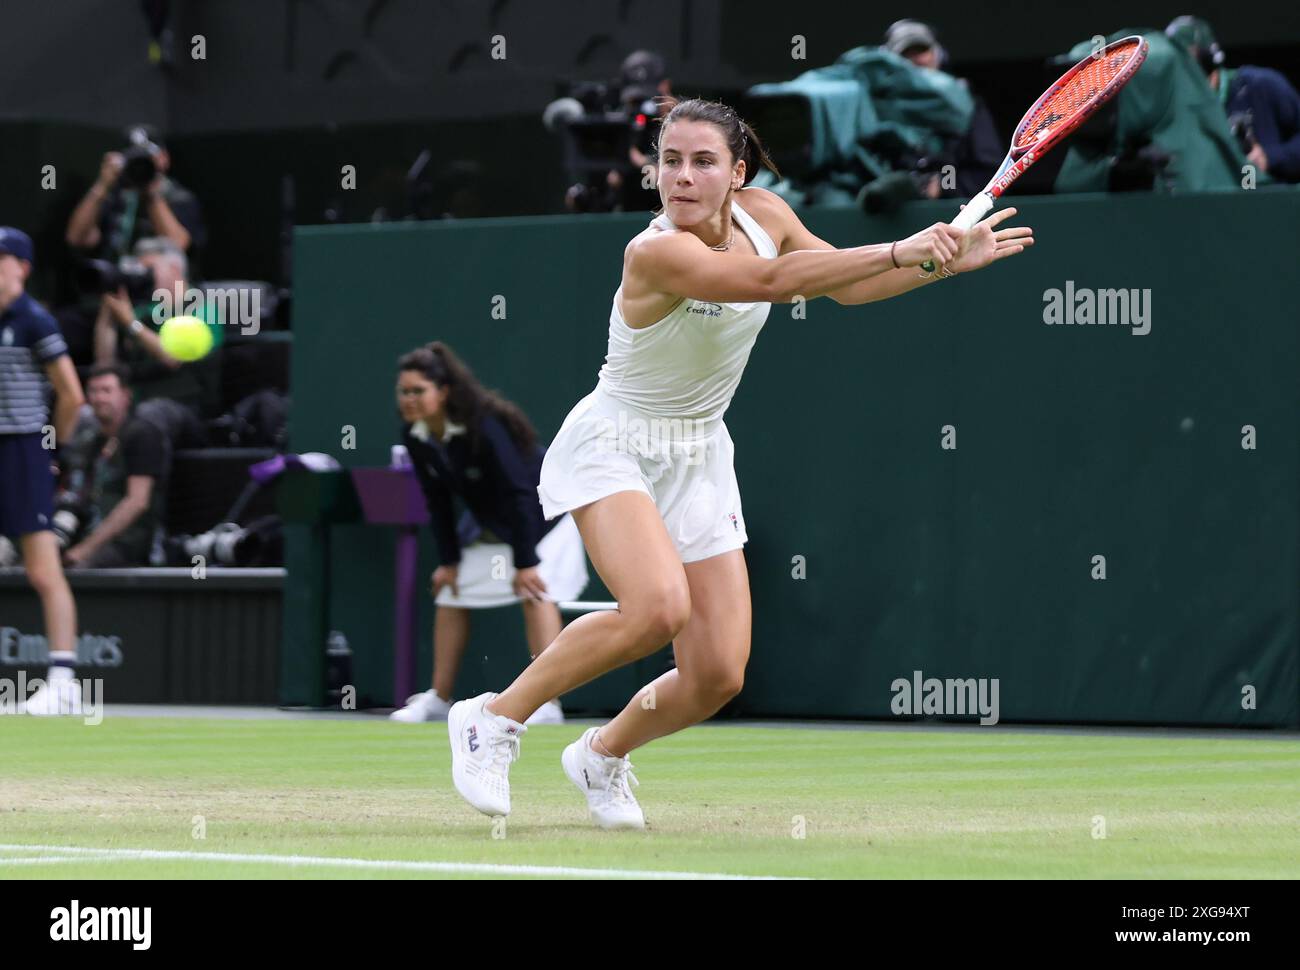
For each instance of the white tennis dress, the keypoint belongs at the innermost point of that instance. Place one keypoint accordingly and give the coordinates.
(654, 423)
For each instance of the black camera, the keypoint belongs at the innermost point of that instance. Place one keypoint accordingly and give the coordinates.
(1139, 166)
(139, 160)
(138, 166)
(910, 172)
(260, 543)
(218, 545)
(1242, 126)
(598, 131)
(100, 276)
(67, 522)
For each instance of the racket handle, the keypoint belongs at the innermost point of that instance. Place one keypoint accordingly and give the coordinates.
(976, 209)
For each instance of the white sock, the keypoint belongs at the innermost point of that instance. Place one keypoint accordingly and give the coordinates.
(59, 674)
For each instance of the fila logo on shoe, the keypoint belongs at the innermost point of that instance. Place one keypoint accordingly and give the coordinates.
(472, 731)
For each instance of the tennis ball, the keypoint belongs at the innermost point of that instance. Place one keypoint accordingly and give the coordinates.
(186, 338)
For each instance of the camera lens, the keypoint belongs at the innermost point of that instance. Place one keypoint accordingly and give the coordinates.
(138, 167)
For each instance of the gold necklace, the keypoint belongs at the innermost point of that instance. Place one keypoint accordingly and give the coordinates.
(722, 248)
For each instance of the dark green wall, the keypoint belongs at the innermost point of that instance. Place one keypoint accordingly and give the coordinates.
(1072, 442)
(75, 152)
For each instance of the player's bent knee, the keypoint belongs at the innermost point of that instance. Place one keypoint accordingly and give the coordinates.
(658, 621)
(715, 688)
(652, 635)
(726, 685)
(669, 615)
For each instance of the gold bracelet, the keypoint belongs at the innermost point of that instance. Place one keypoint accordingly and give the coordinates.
(942, 273)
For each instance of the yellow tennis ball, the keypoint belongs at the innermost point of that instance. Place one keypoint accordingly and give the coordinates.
(186, 338)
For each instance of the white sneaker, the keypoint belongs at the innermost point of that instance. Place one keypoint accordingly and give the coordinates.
(482, 747)
(426, 706)
(549, 713)
(51, 700)
(604, 781)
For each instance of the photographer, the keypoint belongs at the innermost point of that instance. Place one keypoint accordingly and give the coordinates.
(134, 198)
(974, 155)
(647, 91)
(1263, 108)
(619, 132)
(125, 481)
(126, 330)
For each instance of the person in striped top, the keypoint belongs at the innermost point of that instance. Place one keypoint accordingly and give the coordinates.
(33, 358)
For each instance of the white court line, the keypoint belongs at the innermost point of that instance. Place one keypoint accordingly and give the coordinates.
(69, 853)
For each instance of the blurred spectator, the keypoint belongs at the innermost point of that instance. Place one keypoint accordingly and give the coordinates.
(135, 198)
(1263, 108)
(645, 94)
(974, 155)
(121, 491)
(127, 333)
(1164, 132)
(873, 126)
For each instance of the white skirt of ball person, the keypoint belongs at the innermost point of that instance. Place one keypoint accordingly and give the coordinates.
(487, 566)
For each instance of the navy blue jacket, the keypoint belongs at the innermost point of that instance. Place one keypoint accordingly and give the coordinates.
(1274, 108)
(497, 482)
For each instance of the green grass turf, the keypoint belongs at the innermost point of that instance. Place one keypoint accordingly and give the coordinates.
(893, 803)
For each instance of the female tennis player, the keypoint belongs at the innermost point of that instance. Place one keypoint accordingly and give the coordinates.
(468, 441)
(644, 462)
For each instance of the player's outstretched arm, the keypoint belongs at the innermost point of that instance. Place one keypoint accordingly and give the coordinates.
(984, 244)
(680, 264)
(978, 248)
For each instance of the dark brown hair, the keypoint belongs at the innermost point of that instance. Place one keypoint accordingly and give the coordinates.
(741, 139)
(469, 400)
(117, 370)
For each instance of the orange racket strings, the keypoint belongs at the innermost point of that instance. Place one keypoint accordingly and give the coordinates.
(1083, 87)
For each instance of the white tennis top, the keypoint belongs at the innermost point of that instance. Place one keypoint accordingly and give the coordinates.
(688, 364)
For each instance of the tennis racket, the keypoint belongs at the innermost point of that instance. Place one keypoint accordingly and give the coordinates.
(1060, 110)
